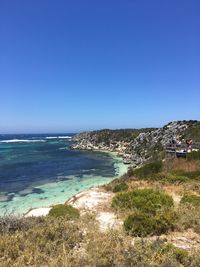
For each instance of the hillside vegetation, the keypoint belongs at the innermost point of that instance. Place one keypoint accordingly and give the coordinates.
(138, 146)
(145, 200)
(157, 204)
(107, 136)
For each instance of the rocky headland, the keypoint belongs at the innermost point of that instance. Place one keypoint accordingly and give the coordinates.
(148, 217)
(138, 146)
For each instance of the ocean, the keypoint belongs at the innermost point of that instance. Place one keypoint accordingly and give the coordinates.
(39, 170)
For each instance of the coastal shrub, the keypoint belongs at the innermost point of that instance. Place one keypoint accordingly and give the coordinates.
(120, 187)
(165, 221)
(176, 179)
(142, 224)
(139, 224)
(58, 242)
(194, 175)
(191, 199)
(116, 249)
(13, 223)
(179, 254)
(47, 241)
(180, 165)
(192, 186)
(148, 170)
(145, 200)
(62, 210)
(190, 169)
(129, 173)
(188, 216)
(171, 178)
(194, 155)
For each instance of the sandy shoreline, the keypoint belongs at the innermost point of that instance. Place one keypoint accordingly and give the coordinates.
(90, 200)
(96, 201)
(85, 199)
(61, 191)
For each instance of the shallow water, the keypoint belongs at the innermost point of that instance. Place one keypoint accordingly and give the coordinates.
(41, 170)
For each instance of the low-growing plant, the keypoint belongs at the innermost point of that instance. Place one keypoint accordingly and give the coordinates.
(13, 223)
(47, 240)
(148, 170)
(179, 254)
(59, 242)
(191, 199)
(115, 249)
(192, 186)
(120, 187)
(176, 179)
(129, 173)
(142, 224)
(144, 200)
(164, 177)
(188, 216)
(139, 224)
(193, 155)
(194, 175)
(62, 210)
(165, 221)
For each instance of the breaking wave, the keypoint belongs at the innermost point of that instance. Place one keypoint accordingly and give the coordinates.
(59, 137)
(21, 141)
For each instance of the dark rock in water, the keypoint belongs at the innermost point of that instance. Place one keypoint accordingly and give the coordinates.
(33, 191)
(37, 191)
(8, 197)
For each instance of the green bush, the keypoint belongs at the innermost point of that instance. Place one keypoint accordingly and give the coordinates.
(142, 224)
(120, 187)
(191, 199)
(148, 170)
(176, 179)
(165, 221)
(170, 178)
(61, 210)
(139, 224)
(145, 200)
(195, 175)
(194, 155)
(179, 254)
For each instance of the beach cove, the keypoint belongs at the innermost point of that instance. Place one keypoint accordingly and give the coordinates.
(62, 187)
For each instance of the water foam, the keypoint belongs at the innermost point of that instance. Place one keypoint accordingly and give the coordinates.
(21, 141)
(59, 137)
(64, 137)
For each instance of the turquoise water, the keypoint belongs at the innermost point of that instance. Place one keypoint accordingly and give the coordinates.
(42, 170)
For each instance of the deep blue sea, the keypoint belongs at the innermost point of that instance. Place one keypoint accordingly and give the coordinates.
(38, 170)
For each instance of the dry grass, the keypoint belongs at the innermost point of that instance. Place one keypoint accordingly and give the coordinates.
(181, 165)
(188, 218)
(58, 242)
(79, 243)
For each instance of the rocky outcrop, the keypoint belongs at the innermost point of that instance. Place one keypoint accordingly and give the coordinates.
(137, 146)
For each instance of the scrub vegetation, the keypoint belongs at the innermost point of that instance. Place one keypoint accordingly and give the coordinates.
(155, 203)
(66, 211)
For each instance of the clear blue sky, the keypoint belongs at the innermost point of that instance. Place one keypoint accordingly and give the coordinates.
(88, 64)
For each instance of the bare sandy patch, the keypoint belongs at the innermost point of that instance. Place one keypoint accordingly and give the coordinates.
(94, 199)
(37, 212)
(108, 220)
